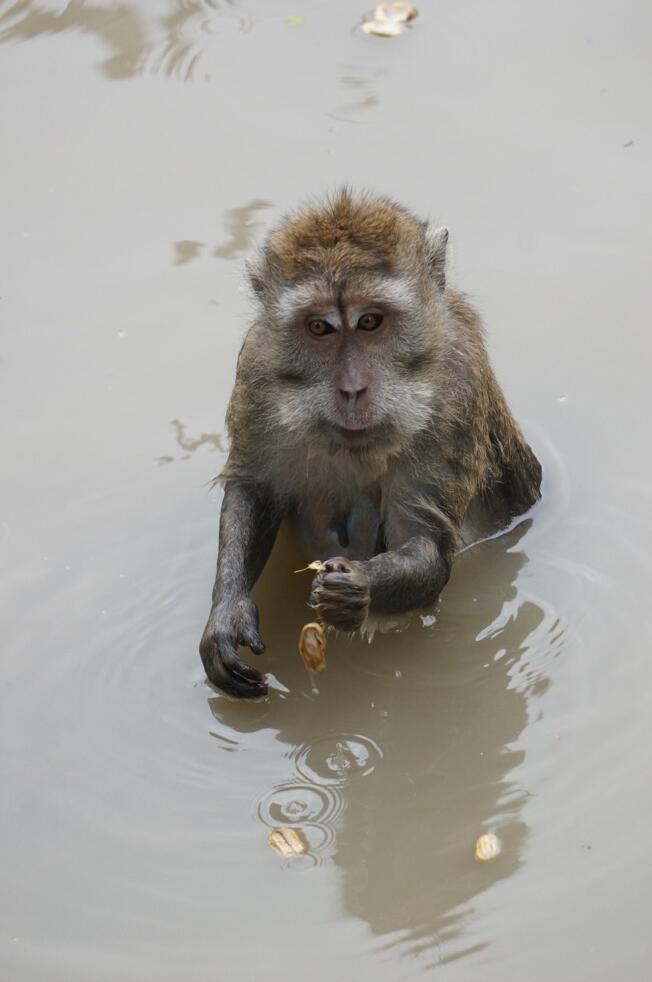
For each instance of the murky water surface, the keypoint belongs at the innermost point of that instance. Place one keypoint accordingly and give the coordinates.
(145, 146)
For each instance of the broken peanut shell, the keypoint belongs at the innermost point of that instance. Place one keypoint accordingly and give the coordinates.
(395, 11)
(316, 566)
(287, 842)
(312, 647)
(487, 848)
(383, 28)
(388, 19)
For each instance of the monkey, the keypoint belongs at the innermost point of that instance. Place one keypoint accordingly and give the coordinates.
(366, 415)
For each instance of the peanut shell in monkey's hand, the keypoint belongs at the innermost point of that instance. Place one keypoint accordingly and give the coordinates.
(316, 566)
(312, 647)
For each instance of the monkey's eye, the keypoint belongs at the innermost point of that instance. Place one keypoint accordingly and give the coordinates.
(370, 322)
(319, 327)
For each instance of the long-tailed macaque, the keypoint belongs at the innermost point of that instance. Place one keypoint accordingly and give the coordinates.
(365, 412)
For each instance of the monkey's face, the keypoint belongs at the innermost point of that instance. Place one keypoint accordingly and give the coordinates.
(350, 358)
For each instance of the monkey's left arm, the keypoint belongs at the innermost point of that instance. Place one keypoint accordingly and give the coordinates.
(405, 578)
(249, 522)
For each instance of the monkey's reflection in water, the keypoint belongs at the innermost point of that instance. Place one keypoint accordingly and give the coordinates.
(414, 734)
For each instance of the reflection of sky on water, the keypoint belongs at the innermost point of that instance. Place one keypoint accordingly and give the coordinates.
(172, 43)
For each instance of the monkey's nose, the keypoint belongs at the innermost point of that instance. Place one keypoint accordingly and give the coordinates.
(353, 398)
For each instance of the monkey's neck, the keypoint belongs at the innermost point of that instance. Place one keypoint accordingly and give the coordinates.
(338, 477)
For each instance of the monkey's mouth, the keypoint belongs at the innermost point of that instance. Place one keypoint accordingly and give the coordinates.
(353, 428)
(353, 434)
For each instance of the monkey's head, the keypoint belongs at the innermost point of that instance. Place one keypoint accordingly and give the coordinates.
(351, 297)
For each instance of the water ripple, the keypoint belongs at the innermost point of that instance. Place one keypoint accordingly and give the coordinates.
(337, 759)
(173, 44)
(313, 809)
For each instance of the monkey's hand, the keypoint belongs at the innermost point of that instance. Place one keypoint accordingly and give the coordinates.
(232, 623)
(340, 594)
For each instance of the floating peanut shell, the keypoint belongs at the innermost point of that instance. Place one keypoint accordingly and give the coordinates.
(388, 19)
(487, 848)
(287, 842)
(312, 647)
(395, 11)
(382, 28)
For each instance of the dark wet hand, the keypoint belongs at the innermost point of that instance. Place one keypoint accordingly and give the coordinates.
(340, 594)
(233, 623)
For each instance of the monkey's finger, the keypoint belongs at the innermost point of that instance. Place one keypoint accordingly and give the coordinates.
(219, 675)
(238, 678)
(334, 601)
(338, 592)
(349, 610)
(344, 611)
(250, 638)
(337, 565)
(234, 665)
(251, 690)
(240, 688)
(241, 670)
(344, 582)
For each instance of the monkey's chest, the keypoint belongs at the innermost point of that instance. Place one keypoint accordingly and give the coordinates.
(352, 530)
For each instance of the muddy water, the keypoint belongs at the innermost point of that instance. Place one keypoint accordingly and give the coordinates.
(145, 146)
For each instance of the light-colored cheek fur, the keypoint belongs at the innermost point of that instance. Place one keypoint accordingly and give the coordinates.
(407, 406)
(410, 406)
(295, 409)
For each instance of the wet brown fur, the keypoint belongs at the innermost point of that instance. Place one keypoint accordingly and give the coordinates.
(349, 234)
(442, 463)
(470, 452)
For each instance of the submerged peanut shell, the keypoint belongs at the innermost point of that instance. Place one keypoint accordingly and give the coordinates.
(312, 647)
(487, 847)
(287, 842)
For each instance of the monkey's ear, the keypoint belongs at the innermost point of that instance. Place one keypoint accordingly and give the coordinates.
(437, 239)
(255, 277)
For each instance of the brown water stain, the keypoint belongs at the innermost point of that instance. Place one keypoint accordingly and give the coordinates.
(185, 250)
(242, 226)
(190, 444)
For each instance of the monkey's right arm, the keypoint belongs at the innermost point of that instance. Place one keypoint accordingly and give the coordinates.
(407, 577)
(249, 522)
